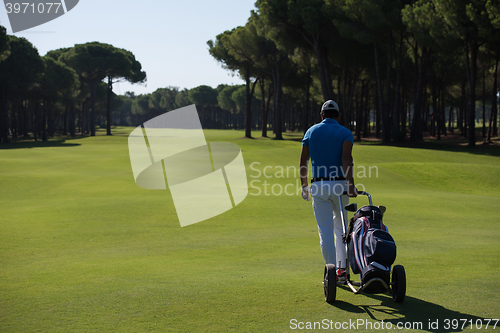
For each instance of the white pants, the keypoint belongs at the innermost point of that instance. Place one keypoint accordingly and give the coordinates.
(326, 208)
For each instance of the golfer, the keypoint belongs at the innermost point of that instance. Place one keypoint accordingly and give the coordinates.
(329, 145)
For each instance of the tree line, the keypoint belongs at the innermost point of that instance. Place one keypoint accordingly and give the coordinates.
(397, 68)
(70, 91)
(396, 65)
(60, 90)
(218, 108)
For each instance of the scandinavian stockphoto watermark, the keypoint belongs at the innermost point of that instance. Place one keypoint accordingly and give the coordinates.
(205, 179)
(26, 14)
(373, 325)
(272, 180)
(357, 324)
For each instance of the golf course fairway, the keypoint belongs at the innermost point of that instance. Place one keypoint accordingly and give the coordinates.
(84, 249)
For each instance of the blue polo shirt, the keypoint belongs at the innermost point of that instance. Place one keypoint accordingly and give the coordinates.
(325, 147)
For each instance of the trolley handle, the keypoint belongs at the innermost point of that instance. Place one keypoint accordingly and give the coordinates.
(359, 193)
(363, 193)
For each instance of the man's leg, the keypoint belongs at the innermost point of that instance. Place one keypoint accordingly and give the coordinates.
(338, 230)
(323, 211)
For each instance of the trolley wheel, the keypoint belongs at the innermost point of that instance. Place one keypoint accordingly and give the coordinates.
(330, 283)
(399, 283)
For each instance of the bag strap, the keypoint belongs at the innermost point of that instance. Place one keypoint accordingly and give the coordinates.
(346, 238)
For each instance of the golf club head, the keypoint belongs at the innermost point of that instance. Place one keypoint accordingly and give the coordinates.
(382, 209)
(352, 207)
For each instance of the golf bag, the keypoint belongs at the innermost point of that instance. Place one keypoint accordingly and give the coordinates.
(372, 249)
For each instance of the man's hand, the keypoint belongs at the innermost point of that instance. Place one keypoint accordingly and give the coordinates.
(352, 191)
(306, 193)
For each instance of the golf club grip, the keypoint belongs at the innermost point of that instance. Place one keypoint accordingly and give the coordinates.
(359, 193)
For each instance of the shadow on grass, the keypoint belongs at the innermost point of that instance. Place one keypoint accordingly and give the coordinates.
(293, 136)
(415, 314)
(452, 146)
(58, 142)
(451, 142)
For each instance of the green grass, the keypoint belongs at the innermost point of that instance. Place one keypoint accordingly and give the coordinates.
(83, 249)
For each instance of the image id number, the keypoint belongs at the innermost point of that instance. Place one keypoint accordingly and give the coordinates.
(462, 323)
(26, 7)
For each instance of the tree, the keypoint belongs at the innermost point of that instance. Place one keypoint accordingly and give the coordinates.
(226, 101)
(4, 44)
(167, 100)
(236, 50)
(468, 22)
(18, 75)
(372, 21)
(4, 54)
(243, 45)
(140, 108)
(57, 82)
(127, 68)
(493, 42)
(266, 92)
(205, 98)
(308, 21)
(182, 98)
(304, 60)
(428, 34)
(95, 61)
(274, 59)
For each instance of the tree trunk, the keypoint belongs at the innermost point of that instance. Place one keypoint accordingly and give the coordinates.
(65, 120)
(427, 111)
(13, 120)
(450, 119)
(397, 102)
(249, 91)
(484, 103)
(404, 111)
(4, 117)
(24, 107)
(82, 120)
(278, 93)
(305, 118)
(44, 120)
(342, 98)
(35, 121)
(461, 113)
(494, 98)
(72, 124)
(386, 126)
(366, 110)
(442, 112)
(325, 77)
(108, 106)
(472, 69)
(50, 123)
(265, 110)
(93, 91)
(435, 112)
(359, 111)
(416, 126)
(350, 97)
(380, 100)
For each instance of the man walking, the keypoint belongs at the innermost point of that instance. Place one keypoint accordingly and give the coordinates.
(329, 145)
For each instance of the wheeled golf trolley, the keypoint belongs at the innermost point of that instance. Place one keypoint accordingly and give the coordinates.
(373, 281)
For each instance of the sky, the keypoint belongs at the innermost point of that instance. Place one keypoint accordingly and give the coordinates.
(169, 38)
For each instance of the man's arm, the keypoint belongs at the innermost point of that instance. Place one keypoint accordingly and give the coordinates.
(304, 161)
(347, 166)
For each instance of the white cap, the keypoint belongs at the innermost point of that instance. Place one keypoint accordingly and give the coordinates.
(330, 105)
